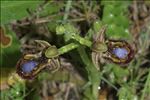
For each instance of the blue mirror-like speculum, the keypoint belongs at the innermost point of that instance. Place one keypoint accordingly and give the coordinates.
(120, 52)
(28, 67)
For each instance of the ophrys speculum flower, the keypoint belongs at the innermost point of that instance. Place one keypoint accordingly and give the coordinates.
(32, 63)
(117, 51)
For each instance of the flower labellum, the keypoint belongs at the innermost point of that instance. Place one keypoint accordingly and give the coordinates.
(27, 69)
(119, 51)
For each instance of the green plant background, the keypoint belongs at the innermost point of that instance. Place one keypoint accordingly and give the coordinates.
(114, 16)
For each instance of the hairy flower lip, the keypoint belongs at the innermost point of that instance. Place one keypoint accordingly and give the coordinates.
(35, 70)
(119, 44)
(20, 72)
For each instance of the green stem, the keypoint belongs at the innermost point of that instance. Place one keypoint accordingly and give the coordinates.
(81, 40)
(92, 72)
(104, 79)
(146, 87)
(67, 48)
(72, 46)
(68, 6)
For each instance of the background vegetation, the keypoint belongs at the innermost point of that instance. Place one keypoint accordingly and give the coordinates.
(22, 22)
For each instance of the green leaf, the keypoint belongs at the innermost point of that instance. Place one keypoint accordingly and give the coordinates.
(68, 30)
(117, 32)
(120, 73)
(51, 8)
(10, 48)
(14, 10)
(126, 93)
(114, 16)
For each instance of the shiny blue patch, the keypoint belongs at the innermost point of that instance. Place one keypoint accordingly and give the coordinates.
(27, 67)
(120, 52)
